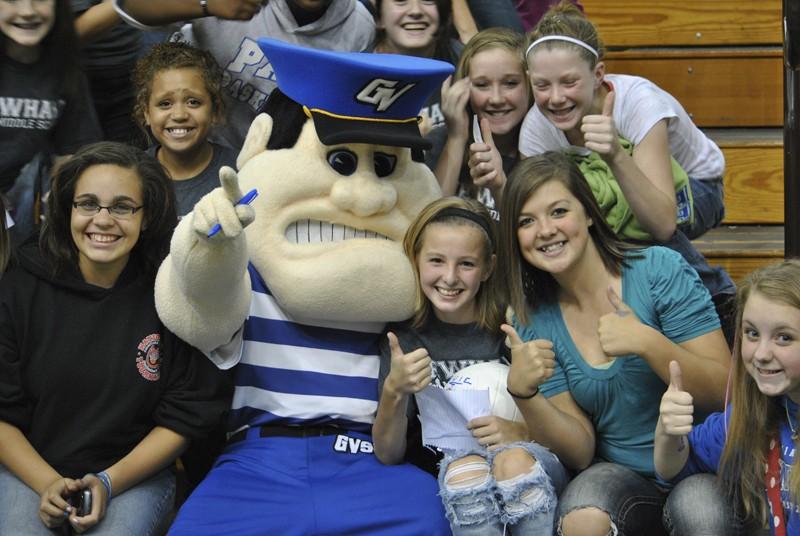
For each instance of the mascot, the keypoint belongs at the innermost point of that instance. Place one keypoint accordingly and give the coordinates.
(293, 292)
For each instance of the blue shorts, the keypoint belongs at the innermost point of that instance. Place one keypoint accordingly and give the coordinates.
(330, 484)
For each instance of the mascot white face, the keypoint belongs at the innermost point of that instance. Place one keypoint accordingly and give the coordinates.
(330, 222)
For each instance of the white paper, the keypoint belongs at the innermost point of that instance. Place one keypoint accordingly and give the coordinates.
(445, 414)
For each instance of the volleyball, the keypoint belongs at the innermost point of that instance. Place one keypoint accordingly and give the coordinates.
(493, 376)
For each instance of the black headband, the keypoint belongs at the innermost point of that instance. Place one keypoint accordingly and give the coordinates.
(467, 215)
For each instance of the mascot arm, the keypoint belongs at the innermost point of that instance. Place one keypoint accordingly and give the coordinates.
(202, 287)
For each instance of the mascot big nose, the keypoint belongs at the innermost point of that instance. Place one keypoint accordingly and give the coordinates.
(294, 290)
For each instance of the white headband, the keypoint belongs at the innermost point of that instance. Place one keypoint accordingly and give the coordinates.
(562, 38)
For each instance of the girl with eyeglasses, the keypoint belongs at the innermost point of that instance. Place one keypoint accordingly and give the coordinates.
(95, 393)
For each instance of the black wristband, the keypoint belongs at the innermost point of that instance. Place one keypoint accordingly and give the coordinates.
(515, 395)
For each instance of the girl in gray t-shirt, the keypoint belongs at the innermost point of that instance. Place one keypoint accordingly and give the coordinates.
(451, 247)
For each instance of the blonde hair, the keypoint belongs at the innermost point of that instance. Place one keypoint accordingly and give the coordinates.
(487, 299)
(755, 418)
(566, 19)
(490, 39)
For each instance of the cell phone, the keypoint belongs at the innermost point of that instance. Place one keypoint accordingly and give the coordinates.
(82, 501)
(477, 135)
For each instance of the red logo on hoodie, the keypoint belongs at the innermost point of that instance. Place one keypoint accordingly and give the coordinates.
(148, 358)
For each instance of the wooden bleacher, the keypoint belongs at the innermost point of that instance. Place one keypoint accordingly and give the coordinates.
(723, 60)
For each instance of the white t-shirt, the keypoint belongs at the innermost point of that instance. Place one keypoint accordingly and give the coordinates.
(639, 104)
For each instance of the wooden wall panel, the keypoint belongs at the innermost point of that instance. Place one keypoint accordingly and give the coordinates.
(627, 23)
(717, 90)
(741, 249)
(753, 184)
(739, 267)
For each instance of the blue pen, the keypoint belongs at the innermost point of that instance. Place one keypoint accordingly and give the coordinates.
(245, 200)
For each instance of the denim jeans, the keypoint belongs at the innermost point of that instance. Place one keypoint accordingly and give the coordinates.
(21, 197)
(708, 205)
(140, 511)
(708, 213)
(481, 510)
(698, 505)
(636, 505)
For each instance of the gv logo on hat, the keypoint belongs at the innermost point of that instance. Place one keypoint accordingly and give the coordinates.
(382, 93)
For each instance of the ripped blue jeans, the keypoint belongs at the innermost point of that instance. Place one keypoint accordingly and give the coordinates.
(527, 503)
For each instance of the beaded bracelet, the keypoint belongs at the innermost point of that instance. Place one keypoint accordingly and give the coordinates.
(105, 478)
(204, 7)
(515, 395)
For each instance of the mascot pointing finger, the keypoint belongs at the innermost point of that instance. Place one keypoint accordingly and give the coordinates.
(292, 291)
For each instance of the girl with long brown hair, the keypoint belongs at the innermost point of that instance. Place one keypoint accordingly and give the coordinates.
(596, 324)
(759, 428)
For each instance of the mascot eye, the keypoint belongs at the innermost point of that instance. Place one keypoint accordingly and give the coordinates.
(384, 164)
(343, 162)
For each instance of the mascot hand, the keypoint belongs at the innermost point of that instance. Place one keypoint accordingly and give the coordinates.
(219, 206)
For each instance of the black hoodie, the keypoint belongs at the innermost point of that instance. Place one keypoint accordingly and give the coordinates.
(87, 372)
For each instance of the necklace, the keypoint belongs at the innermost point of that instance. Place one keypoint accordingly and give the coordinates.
(789, 420)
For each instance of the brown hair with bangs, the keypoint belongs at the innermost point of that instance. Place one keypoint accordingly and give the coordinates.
(527, 285)
(489, 307)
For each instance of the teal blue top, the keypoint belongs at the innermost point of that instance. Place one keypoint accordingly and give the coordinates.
(622, 400)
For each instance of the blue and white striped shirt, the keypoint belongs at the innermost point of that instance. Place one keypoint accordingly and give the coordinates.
(294, 373)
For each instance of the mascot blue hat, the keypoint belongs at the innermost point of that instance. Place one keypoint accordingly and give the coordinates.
(356, 97)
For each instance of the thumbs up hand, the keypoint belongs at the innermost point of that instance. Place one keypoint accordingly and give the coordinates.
(676, 410)
(599, 131)
(532, 362)
(617, 331)
(410, 373)
(485, 163)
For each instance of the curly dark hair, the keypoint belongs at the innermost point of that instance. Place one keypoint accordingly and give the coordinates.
(176, 55)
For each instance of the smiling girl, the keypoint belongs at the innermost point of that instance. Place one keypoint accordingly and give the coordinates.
(595, 328)
(637, 140)
(417, 28)
(509, 479)
(761, 423)
(95, 394)
(46, 105)
(178, 102)
(490, 82)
